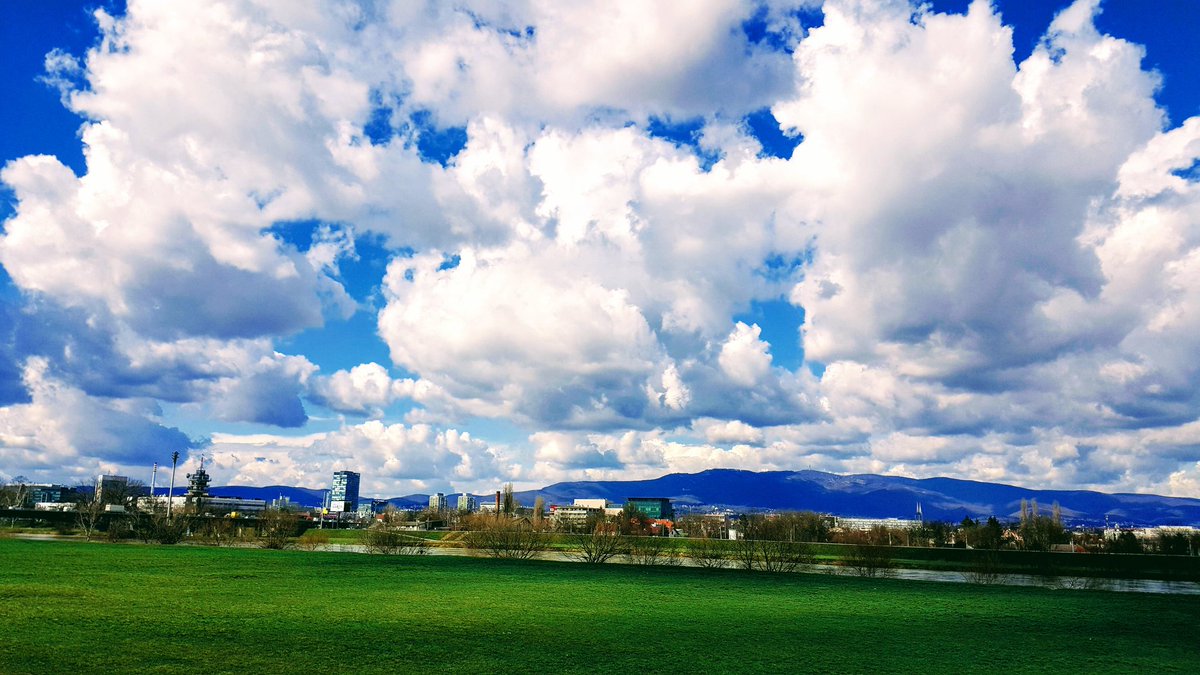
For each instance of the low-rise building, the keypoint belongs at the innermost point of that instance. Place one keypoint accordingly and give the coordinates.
(870, 523)
(370, 508)
(215, 505)
(49, 494)
(54, 506)
(573, 517)
(1151, 533)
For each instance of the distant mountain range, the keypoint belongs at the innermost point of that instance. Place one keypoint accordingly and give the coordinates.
(864, 496)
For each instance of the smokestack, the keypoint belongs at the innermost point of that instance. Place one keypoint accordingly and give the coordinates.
(497, 502)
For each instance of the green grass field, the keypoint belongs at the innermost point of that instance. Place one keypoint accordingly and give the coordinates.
(70, 606)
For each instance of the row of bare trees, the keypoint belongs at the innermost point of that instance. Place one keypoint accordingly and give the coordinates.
(389, 540)
(766, 546)
(773, 555)
(272, 528)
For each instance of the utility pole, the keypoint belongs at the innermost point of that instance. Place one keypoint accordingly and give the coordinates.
(324, 507)
(171, 490)
(153, 481)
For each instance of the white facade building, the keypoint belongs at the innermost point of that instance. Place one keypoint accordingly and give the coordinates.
(221, 505)
(437, 502)
(573, 516)
(868, 523)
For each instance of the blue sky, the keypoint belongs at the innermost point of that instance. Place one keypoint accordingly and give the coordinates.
(455, 246)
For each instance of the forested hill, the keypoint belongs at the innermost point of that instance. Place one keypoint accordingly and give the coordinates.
(873, 496)
(865, 495)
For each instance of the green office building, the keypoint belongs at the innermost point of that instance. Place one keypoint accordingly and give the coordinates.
(658, 508)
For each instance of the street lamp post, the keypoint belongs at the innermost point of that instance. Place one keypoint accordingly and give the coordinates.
(153, 484)
(324, 509)
(171, 490)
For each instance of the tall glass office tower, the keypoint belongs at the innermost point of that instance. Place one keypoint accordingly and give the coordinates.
(344, 496)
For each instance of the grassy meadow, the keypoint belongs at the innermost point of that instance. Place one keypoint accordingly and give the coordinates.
(71, 606)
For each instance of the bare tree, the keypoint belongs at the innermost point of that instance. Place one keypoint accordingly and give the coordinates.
(508, 504)
(869, 560)
(276, 528)
(984, 567)
(120, 526)
(88, 513)
(707, 552)
(393, 516)
(211, 531)
(784, 556)
(650, 550)
(603, 544)
(744, 551)
(770, 545)
(711, 527)
(149, 528)
(1038, 532)
(539, 511)
(14, 493)
(504, 538)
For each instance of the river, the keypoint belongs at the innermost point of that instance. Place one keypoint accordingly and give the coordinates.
(1058, 583)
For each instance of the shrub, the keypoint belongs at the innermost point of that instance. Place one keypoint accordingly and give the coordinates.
(213, 531)
(390, 541)
(313, 539)
(276, 529)
(155, 527)
(120, 528)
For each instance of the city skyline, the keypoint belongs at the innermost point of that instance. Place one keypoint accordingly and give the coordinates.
(452, 247)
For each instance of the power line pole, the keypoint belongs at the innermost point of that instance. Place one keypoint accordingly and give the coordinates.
(171, 490)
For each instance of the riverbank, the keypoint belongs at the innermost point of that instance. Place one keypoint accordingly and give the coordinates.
(965, 576)
(106, 607)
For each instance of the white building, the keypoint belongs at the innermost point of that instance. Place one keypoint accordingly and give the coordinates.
(1151, 533)
(437, 502)
(869, 523)
(220, 505)
(573, 517)
(467, 503)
